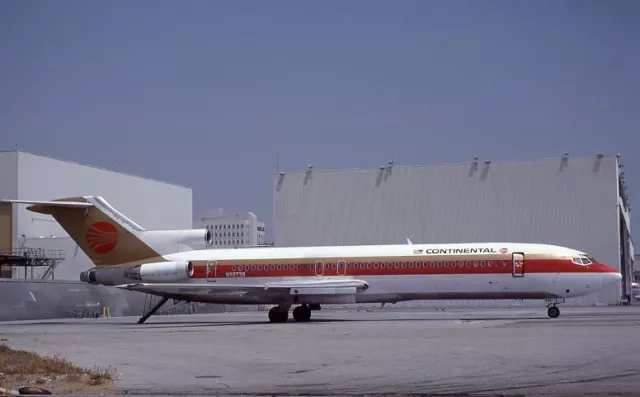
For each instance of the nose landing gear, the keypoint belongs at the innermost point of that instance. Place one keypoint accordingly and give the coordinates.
(553, 311)
(552, 307)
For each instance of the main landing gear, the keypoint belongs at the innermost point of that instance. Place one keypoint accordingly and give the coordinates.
(280, 314)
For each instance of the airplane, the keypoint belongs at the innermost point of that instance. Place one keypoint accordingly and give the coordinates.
(126, 256)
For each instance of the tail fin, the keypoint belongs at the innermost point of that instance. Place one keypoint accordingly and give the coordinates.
(106, 236)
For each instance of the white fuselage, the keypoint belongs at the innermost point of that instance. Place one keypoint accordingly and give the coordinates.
(392, 273)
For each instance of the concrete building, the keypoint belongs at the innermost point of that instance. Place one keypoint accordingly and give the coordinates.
(27, 176)
(579, 202)
(232, 229)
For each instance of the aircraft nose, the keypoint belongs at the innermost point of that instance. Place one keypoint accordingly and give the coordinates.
(612, 278)
(610, 275)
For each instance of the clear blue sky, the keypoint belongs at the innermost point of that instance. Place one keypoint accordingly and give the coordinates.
(205, 93)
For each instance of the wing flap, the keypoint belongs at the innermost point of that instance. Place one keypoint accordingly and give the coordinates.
(324, 291)
(328, 283)
(294, 287)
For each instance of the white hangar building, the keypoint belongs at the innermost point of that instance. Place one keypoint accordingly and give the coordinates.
(25, 176)
(579, 202)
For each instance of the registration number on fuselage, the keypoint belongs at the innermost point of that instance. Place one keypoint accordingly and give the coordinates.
(235, 274)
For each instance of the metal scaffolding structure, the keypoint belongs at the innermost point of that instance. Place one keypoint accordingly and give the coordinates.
(30, 259)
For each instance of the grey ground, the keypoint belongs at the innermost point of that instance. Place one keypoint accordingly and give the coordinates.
(587, 351)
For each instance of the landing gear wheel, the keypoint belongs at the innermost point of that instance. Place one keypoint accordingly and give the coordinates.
(553, 312)
(278, 315)
(302, 313)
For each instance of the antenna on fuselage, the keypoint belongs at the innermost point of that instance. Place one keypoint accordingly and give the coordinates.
(409, 242)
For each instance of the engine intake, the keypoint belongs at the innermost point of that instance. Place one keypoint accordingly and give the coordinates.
(208, 237)
(161, 271)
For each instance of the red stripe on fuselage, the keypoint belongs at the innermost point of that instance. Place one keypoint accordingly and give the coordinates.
(395, 268)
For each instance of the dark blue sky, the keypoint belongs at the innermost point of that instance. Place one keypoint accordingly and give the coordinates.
(206, 93)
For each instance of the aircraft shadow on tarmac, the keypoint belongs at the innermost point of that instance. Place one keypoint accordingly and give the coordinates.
(130, 323)
(189, 324)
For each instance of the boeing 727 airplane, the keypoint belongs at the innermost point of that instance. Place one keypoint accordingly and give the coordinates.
(126, 256)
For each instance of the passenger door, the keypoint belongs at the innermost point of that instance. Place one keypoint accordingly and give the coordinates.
(517, 259)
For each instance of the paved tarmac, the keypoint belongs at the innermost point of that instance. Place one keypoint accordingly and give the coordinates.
(587, 351)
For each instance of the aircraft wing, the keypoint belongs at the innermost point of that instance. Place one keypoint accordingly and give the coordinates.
(294, 287)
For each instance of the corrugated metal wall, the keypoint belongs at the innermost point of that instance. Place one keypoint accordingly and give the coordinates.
(570, 202)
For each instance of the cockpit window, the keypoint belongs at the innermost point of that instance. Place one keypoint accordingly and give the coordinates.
(584, 260)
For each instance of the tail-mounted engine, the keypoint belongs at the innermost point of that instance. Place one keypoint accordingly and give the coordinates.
(167, 239)
(161, 271)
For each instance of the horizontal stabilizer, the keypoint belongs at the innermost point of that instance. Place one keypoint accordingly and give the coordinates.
(71, 204)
